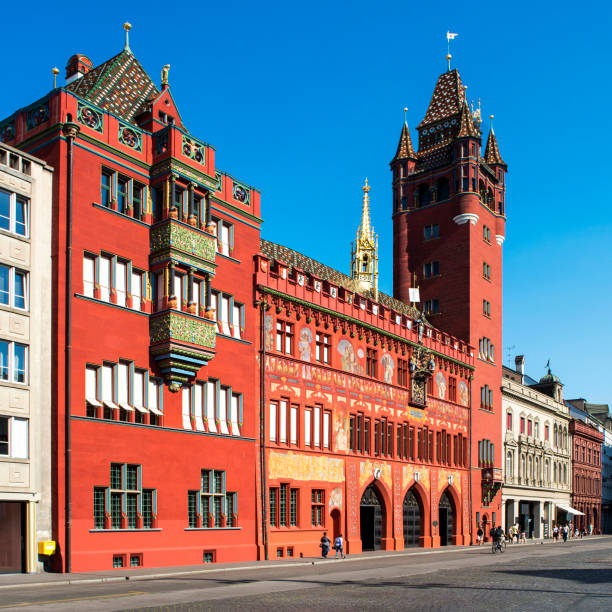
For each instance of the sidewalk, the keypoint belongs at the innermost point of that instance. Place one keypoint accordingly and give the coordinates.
(14, 581)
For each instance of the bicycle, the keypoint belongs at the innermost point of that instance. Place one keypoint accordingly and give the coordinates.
(498, 545)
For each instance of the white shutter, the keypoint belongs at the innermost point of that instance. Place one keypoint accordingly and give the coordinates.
(211, 398)
(317, 426)
(273, 408)
(236, 320)
(326, 430)
(91, 391)
(89, 275)
(107, 387)
(186, 407)
(225, 238)
(225, 304)
(213, 303)
(235, 414)
(122, 386)
(138, 391)
(283, 421)
(153, 397)
(307, 418)
(223, 410)
(294, 416)
(105, 266)
(18, 437)
(197, 406)
(120, 282)
(178, 278)
(136, 290)
(196, 295)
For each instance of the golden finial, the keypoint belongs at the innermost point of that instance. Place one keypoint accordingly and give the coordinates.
(55, 72)
(164, 74)
(366, 187)
(405, 111)
(448, 59)
(127, 27)
(491, 118)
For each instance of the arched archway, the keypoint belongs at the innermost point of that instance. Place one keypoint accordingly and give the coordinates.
(447, 519)
(414, 516)
(335, 517)
(372, 518)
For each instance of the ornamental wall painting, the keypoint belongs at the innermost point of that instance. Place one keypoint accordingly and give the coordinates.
(351, 360)
(130, 137)
(341, 429)
(7, 131)
(388, 365)
(378, 470)
(269, 332)
(37, 116)
(464, 398)
(299, 466)
(304, 349)
(411, 473)
(441, 385)
(335, 498)
(91, 117)
(449, 478)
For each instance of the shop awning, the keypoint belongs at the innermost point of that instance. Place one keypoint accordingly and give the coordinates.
(570, 510)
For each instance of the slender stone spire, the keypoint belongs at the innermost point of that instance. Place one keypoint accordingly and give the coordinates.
(364, 253)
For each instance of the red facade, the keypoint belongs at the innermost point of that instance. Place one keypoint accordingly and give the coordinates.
(218, 398)
(586, 474)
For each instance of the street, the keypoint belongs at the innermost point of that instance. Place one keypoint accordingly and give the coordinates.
(576, 576)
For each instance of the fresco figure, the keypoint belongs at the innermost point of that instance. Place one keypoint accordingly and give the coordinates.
(340, 432)
(350, 362)
(441, 382)
(304, 343)
(269, 332)
(463, 393)
(388, 366)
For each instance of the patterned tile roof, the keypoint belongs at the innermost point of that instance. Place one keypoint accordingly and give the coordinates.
(492, 155)
(311, 266)
(119, 85)
(447, 98)
(405, 150)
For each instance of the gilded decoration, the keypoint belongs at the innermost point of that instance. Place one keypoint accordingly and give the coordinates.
(422, 365)
(409, 473)
(90, 116)
(173, 235)
(335, 498)
(447, 478)
(298, 466)
(130, 137)
(193, 150)
(178, 326)
(377, 469)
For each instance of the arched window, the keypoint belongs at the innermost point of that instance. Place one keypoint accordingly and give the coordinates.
(443, 189)
(364, 264)
(490, 200)
(546, 471)
(565, 474)
(555, 435)
(509, 466)
(555, 472)
(530, 461)
(423, 195)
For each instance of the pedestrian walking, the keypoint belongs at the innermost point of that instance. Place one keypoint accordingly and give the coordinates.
(565, 532)
(339, 546)
(325, 544)
(555, 534)
(479, 536)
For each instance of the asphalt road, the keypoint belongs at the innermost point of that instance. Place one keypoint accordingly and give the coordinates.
(572, 576)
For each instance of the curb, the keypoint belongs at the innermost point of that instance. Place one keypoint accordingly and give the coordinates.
(261, 566)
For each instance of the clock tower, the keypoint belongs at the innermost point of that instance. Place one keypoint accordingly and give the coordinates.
(448, 231)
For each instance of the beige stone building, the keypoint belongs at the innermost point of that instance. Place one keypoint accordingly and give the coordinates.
(25, 359)
(536, 458)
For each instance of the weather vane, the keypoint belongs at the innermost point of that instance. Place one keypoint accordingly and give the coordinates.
(449, 36)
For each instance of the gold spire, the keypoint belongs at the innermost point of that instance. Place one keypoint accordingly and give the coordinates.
(364, 253)
(164, 74)
(127, 27)
(55, 72)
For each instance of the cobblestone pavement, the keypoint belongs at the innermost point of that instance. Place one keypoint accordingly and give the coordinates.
(576, 576)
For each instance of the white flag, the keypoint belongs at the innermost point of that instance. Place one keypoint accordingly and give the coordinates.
(413, 294)
(451, 35)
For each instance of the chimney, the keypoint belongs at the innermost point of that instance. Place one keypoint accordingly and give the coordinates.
(519, 362)
(77, 66)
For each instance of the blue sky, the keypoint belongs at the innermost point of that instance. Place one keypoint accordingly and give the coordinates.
(305, 101)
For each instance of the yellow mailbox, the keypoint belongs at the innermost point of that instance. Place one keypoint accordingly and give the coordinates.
(46, 547)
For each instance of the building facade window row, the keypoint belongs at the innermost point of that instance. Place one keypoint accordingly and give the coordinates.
(210, 406)
(212, 506)
(284, 507)
(294, 425)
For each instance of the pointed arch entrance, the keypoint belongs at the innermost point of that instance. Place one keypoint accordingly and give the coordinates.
(446, 519)
(413, 518)
(371, 514)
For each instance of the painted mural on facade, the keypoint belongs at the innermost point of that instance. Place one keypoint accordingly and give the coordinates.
(301, 466)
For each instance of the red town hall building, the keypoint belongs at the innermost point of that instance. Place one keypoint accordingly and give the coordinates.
(217, 397)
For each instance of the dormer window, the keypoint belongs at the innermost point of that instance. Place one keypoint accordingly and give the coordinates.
(169, 119)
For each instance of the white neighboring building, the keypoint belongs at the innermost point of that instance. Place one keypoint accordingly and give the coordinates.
(537, 452)
(25, 358)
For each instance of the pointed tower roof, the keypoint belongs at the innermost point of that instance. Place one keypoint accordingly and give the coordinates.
(492, 155)
(365, 233)
(446, 99)
(119, 85)
(405, 150)
(467, 127)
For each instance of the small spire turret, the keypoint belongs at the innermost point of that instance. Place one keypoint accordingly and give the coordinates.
(492, 155)
(364, 252)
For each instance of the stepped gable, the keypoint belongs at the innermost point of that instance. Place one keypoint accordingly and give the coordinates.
(294, 259)
(119, 85)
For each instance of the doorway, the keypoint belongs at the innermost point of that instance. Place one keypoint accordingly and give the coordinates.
(412, 520)
(370, 516)
(446, 520)
(12, 537)
(335, 516)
